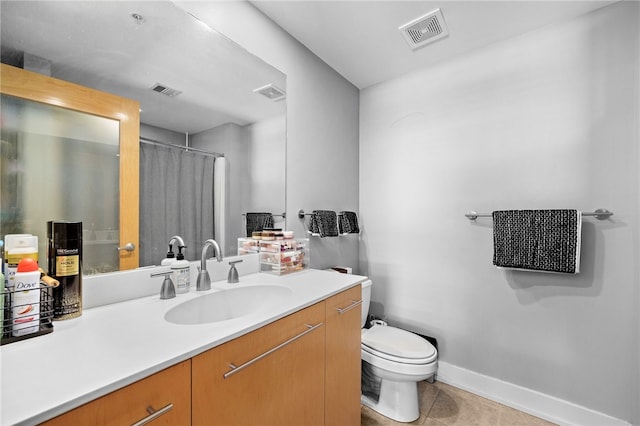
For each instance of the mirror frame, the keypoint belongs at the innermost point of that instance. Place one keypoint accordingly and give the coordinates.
(51, 91)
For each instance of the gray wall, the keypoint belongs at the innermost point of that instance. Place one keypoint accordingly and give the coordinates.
(162, 135)
(267, 168)
(546, 120)
(322, 123)
(231, 140)
(549, 119)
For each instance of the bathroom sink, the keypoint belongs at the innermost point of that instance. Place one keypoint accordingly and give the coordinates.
(226, 304)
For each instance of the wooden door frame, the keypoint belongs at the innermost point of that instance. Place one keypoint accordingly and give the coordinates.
(39, 88)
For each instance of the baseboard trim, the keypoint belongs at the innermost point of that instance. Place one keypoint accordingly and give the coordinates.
(532, 402)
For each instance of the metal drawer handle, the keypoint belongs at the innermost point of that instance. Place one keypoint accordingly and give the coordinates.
(235, 369)
(353, 304)
(153, 414)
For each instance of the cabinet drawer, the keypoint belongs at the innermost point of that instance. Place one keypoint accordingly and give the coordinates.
(167, 393)
(277, 378)
(347, 301)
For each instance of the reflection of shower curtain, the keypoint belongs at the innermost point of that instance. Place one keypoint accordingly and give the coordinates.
(176, 198)
(220, 205)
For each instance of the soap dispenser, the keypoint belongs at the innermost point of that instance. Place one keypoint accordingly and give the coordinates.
(181, 272)
(171, 257)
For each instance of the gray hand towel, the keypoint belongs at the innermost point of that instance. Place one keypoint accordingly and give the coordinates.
(326, 221)
(348, 223)
(314, 230)
(537, 240)
(258, 222)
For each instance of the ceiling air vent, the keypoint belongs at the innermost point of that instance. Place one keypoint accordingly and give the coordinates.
(425, 29)
(272, 92)
(161, 88)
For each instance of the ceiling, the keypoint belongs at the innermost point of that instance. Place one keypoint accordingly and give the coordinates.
(360, 39)
(99, 44)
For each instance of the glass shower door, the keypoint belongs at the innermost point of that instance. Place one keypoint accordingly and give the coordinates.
(59, 164)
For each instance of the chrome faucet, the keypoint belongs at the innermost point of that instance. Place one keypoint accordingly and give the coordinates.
(204, 281)
(177, 238)
(173, 240)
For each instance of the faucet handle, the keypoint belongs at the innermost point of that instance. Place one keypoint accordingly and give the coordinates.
(233, 272)
(168, 290)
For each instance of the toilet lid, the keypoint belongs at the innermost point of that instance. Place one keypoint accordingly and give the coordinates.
(397, 345)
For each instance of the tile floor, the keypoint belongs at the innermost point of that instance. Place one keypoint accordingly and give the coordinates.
(442, 404)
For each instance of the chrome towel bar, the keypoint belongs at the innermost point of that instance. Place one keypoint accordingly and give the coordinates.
(283, 215)
(600, 214)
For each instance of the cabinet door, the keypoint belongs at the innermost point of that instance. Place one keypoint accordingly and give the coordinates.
(342, 379)
(278, 377)
(164, 398)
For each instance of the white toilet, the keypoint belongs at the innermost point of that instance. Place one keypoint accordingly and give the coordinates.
(394, 361)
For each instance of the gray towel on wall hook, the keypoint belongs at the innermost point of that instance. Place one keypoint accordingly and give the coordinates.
(314, 230)
(258, 222)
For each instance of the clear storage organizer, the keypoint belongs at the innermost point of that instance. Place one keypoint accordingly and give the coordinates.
(284, 256)
(247, 246)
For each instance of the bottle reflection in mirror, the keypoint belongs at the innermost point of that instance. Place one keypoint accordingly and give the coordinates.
(64, 256)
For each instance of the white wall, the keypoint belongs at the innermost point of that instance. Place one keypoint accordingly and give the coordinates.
(545, 120)
(267, 168)
(322, 122)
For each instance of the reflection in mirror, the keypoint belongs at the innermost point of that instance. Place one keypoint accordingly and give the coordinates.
(207, 101)
(58, 163)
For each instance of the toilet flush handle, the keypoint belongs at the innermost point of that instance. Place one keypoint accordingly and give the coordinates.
(353, 304)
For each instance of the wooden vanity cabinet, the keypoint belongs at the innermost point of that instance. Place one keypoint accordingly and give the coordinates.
(165, 395)
(278, 377)
(303, 369)
(342, 353)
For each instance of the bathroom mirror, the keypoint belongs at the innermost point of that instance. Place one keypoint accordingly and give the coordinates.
(195, 87)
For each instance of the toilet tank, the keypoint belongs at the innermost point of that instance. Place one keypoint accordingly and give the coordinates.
(366, 300)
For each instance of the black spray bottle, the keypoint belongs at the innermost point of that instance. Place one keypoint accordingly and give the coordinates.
(64, 256)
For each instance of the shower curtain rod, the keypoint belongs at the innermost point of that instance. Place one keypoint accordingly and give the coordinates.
(186, 148)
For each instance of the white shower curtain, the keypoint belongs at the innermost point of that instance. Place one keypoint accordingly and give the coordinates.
(176, 198)
(220, 205)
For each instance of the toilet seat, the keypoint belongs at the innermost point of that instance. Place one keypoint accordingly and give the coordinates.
(397, 345)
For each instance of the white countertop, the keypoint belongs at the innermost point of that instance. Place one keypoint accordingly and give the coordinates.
(111, 346)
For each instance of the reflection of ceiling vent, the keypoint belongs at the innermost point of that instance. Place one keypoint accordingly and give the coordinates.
(160, 88)
(425, 29)
(272, 92)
